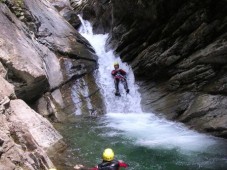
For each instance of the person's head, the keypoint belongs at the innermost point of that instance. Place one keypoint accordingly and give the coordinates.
(116, 65)
(108, 155)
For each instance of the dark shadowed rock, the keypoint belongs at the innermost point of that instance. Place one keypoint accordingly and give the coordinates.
(97, 12)
(72, 18)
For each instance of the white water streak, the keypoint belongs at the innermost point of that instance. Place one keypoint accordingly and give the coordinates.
(148, 130)
(79, 91)
(125, 103)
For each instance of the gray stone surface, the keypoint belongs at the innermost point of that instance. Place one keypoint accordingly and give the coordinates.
(34, 42)
(6, 89)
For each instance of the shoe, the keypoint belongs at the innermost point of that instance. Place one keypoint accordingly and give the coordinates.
(127, 91)
(117, 93)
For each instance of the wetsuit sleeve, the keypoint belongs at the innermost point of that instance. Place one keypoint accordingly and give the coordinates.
(123, 164)
(122, 72)
(114, 72)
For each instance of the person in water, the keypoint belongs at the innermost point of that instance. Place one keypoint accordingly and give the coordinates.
(108, 162)
(119, 75)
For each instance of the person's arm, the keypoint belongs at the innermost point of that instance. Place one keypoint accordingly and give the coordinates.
(81, 167)
(122, 164)
(114, 72)
(122, 72)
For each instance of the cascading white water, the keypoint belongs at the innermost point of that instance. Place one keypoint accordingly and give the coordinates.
(124, 114)
(126, 103)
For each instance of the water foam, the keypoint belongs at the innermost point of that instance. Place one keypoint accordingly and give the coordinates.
(154, 132)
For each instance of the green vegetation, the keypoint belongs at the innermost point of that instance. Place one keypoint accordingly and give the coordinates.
(17, 8)
(19, 3)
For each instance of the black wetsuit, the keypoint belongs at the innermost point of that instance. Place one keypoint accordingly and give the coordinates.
(111, 165)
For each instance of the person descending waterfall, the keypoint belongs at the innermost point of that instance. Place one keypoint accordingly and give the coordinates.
(108, 162)
(119, 75)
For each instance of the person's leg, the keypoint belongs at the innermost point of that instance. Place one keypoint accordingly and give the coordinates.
(116, 82)
(125, 86)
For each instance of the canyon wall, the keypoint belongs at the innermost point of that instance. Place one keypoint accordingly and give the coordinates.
(43, 59)
(178, 52)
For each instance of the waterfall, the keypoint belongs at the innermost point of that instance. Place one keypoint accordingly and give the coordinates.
(127, 103)
(125, 114)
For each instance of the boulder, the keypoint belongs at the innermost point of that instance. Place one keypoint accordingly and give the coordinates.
(42, 131)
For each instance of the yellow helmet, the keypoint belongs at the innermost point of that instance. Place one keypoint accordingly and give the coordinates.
(108, 155)
(116, 64)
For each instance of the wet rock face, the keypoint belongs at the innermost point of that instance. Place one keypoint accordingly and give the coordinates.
(15, 52)
(179, 49)
(36, 46)
(25, 136)
(35, 43)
